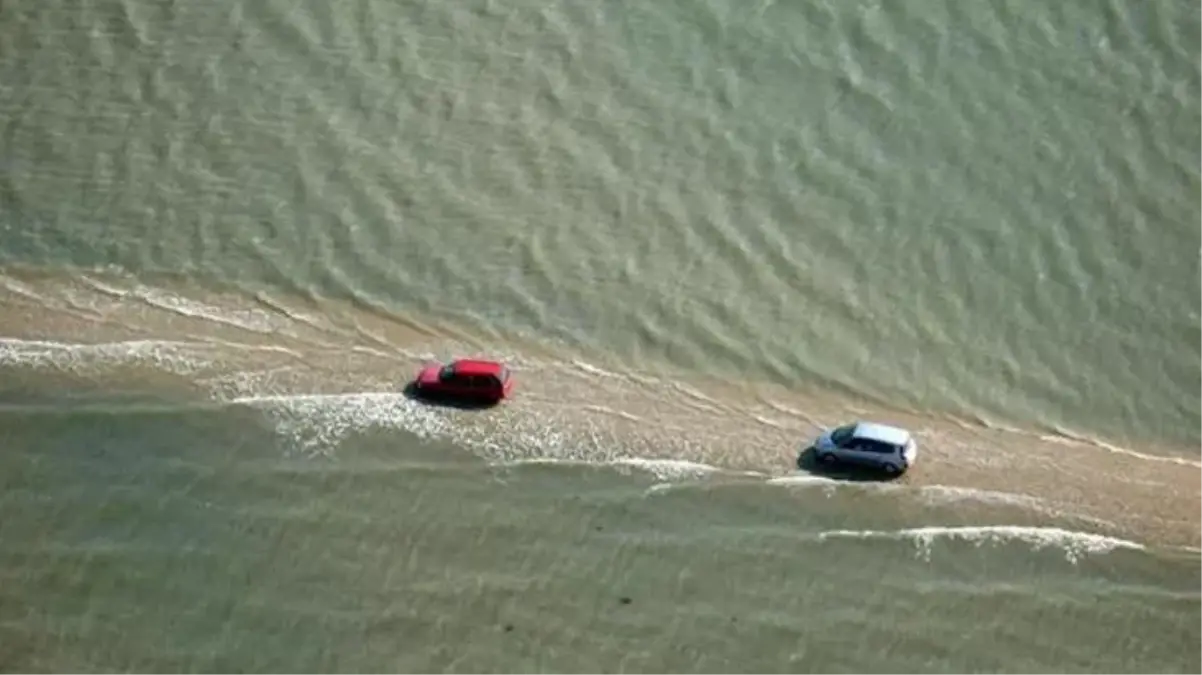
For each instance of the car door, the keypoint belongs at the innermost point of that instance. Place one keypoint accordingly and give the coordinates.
(479, 386)
(490, 386)
(458, 385)
(878, 453)
(856, 452)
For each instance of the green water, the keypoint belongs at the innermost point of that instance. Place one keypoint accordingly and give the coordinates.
(699, 232)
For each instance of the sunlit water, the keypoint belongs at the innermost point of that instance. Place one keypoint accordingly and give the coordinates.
(699, 232)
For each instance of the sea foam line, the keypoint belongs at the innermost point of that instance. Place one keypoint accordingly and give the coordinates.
(1071, 439)
(663, 469)
(951, 493)
(317, 423)
(1074, 544)
(805, 479)
(168, 354)
(252, 320)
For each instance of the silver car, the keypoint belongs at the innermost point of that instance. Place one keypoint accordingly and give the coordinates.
(880, 446)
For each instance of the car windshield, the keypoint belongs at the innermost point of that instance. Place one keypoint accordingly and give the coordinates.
(447, 372)
(843, 434)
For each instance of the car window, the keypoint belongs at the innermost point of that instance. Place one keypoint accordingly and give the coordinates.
(447, 374)
(870, 445)
(842, 435)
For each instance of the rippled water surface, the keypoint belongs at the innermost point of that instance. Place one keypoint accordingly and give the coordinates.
(699, 232)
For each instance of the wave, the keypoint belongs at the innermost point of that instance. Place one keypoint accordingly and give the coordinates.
(23, 290)
(1074, 544)
(317, 423)
(940, 494)
(663, 469)
(1033, 589)
(805, 479)
(248, 319)
(168, 355)
(590, 369)
(1066, 437)
(606, 410)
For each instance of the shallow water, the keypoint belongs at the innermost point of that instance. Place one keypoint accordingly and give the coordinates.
(699, 233)
(189, 540)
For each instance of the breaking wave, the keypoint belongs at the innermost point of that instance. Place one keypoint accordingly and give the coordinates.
(1075, 545)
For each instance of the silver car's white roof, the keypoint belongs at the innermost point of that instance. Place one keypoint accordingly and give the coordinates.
(881, 432)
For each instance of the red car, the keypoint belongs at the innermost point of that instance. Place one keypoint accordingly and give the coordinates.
(470, 379)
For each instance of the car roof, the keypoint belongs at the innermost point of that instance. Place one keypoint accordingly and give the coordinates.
(477, 367)
(882, 433)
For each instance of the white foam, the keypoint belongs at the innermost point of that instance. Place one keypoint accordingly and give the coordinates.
(173, 356)
(246, 319)
(1078, 440)
(667, 469)
(826, 484)
(782, 408)
(663, 469)
(1074, 544)
(360, 349)
(292, 313)
(317, 423)
(941, 494)
(606, 410)
(803, 479)
(945, 494)
(257, 321)
(246, 384)
(20, 288)
(591, 369)
(106, 289)
(695, 394)
(253, 320)
(767, 422)
(791, 412)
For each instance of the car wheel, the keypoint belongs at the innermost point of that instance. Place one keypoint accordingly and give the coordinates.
(826, 458)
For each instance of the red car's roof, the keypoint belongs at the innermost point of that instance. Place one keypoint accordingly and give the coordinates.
(477, 367)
